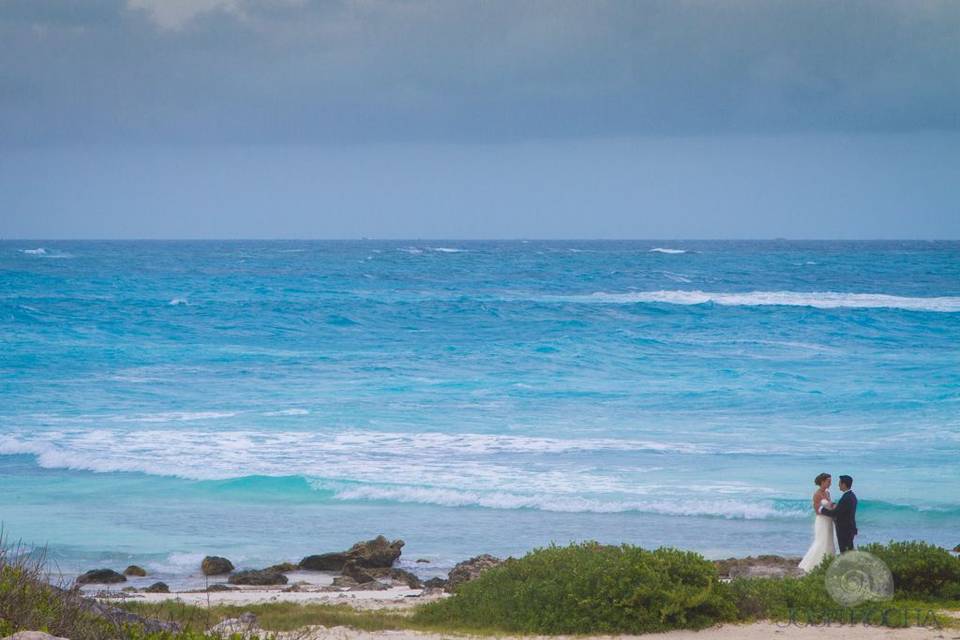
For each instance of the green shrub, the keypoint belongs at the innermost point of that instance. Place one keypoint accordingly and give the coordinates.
(919, 569)
(589, 588)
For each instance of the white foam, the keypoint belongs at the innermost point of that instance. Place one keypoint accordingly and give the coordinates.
(288, 412)
(817, 299)
(667, 250)
(178, 301)
(44, 253)
(447, 249)
(726, 508)
(473, 462)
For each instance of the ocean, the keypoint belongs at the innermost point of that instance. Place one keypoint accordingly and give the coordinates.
(160, 401)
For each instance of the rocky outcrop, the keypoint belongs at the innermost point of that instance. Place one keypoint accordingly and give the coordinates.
(324, 562)
(956, 549)
(378, 552)
(765, 566)
(219, 587)
(470, 570)
(283, 567)
(397, 575)
(343, 582)
(215, 566)
(134, 570)
(157, 587)
(435, 583)
(369, 554)
(353, 570)
(101, 576)
(258, 577)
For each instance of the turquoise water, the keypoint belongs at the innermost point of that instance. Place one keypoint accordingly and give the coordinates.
(266, 400)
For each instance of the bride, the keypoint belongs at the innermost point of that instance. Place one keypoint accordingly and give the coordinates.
(823, 536)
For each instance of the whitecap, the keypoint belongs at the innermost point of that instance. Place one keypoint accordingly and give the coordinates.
(40, 251)
(725, 508)
(288, 412)
(178, 302)
(667, 250)
(819, 300)
(447, 249)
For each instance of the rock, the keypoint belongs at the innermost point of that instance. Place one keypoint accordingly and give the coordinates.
(101, 576)
(369, 554)
(157, 587)
(134, 570)
(352, 570)
(341, 582)
(378, 552)
(324, 562)
(422, 561)
(764, 566)
(215, 566)
(470, 570)
(397, 575)
(262, 577)
(283, 567)
(219, 587)
(245, 626)
(956, 549)
(33, 635)
(435, 583)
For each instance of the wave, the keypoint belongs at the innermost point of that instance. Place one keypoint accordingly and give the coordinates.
(42, 252)
(667, 250)
(447, 250)
(475, 471)
(288, 412)
(730, 509)
(178, 302)
(819, 300)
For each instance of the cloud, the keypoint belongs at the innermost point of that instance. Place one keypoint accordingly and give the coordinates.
(359, 71)
(172, 14)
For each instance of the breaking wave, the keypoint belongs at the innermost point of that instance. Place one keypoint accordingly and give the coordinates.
(819, 300)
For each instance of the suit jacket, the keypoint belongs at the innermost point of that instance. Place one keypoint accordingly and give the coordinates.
(844, 513)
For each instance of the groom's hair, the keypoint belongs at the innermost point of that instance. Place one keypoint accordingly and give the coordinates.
(847, 481)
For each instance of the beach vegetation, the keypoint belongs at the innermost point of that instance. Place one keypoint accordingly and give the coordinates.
(920, 570)
(589, 588)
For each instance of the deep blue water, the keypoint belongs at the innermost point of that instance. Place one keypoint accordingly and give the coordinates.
(265, 400)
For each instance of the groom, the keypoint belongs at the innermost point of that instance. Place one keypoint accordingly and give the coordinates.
(844, 514)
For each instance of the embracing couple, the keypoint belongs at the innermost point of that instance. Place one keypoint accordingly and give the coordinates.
(843, 514)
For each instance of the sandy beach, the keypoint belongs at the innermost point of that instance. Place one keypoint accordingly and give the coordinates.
(398, 598)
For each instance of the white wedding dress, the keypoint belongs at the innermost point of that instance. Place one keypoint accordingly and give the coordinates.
(824, 541)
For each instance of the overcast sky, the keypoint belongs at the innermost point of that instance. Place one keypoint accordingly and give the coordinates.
(479, 119)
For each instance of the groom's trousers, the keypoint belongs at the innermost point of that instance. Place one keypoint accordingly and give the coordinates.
(845, 541)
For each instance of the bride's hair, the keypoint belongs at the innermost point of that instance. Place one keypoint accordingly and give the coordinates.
(820, 478)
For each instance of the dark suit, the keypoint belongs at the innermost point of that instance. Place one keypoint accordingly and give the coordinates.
(845, 516)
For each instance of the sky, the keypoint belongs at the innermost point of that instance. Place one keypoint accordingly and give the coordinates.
(479, 119)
